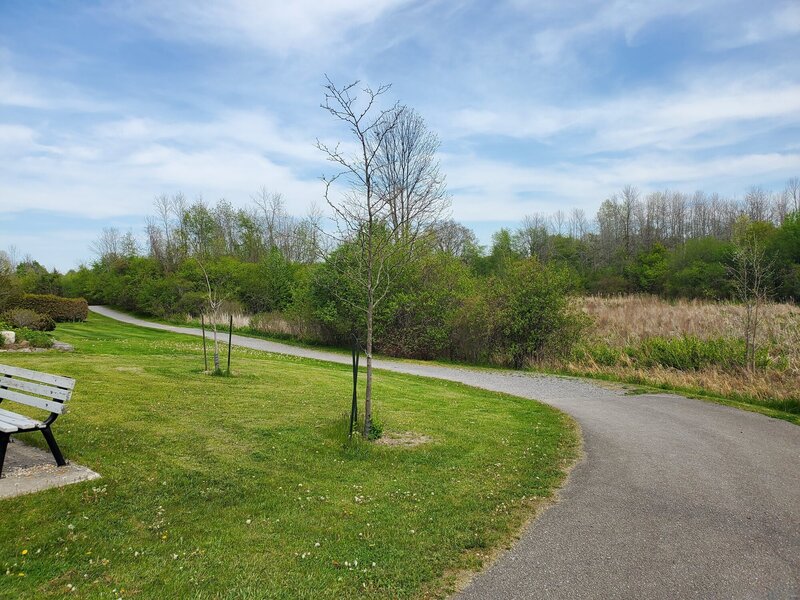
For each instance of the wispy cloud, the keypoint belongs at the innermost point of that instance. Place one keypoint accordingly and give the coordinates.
(644, 118)
(773, 23)
(29, 91)
(279, 27)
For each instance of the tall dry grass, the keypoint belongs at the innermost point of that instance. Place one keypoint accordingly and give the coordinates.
(625, 321)
(630, 319)
(274, 324)
(222, 320)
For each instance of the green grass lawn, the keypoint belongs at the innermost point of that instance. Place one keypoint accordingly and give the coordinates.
(243, 487)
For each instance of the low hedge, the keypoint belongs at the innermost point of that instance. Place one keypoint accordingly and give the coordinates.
(25, 317)
(58, 308)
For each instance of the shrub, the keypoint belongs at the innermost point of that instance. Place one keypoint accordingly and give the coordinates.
(536, 318)
(24, 317)
(191, 303)
(37, 339)
(59, 309)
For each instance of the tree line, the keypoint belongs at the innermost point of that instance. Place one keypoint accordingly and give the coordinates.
(446, 305)
(267, 259)
(677, 248)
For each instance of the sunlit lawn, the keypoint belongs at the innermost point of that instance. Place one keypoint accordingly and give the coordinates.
(242, 487)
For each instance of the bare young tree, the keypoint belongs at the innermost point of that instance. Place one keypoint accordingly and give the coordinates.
(407, 173)
(380, 208)
(454, 238)
(163, 206)
(12, 254)
(757, 203)
(577, 223)
(214, 300)
(751, 272)
(780, 205)
(108, 245)
(533, 237)
(793, 192)
(272, 212)
(559, 218)
(629, 198)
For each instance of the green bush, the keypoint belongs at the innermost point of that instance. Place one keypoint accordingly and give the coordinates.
(37, 339)
(24, 317)
(59, 309)
(536, 318)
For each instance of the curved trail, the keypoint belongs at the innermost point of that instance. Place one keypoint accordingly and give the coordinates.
(676, 498)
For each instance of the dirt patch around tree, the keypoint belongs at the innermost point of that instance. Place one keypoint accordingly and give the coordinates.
(406, 439)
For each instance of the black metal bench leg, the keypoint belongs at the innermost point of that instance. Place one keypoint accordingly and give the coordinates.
(51, 441)
(4, 437)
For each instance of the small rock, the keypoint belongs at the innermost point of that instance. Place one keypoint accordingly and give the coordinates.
(9, 337)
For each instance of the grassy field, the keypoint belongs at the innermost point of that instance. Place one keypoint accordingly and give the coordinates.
(694, 347)
(243, 487)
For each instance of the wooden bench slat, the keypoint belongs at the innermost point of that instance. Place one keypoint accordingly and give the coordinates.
(57, 380)
(48, 391)
(21, 421)
(8, 428)
(51, 405)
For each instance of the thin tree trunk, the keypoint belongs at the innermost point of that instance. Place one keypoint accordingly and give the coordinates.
(368, 398)
(216, 350)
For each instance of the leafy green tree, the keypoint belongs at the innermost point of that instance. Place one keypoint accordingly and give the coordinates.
(501, 254)
(699, 269)
(10, 288)
(36, 279)
(785, 250)
(648, 269)
(266, 286)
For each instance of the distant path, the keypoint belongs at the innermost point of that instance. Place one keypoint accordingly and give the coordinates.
(676, 498)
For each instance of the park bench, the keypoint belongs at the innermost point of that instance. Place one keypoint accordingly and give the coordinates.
(38, 390)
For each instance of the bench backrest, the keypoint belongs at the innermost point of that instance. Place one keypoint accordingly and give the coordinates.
(40, 390)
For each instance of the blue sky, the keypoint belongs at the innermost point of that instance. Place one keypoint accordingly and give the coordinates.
(540, 105)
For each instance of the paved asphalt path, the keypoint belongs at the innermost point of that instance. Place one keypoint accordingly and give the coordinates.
(675, 498)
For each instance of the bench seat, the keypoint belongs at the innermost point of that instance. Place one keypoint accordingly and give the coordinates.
(11, 422)
(36, 390)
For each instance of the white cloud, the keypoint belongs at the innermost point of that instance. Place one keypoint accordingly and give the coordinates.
(277, 26)
(577, 24)
(29, 91)
(645, 118)
(117, 167)
(256, 130)
(775, 24)
(16, 138)
(108, 186)
(487, 190)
